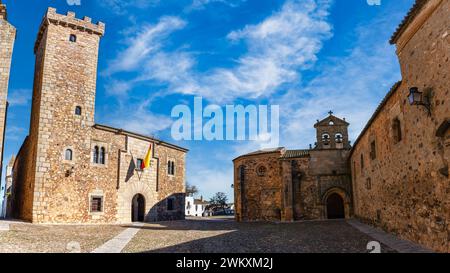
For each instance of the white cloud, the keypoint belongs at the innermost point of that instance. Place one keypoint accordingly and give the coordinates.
(19, 97)
(118, 88)
(121, 6)
(146, 42)
(15, 133)
(278, 49)
(352, 86)
(139, 118)
(200, 4)
(173, 68)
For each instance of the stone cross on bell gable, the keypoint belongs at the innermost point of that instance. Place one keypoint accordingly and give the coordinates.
(331, 112)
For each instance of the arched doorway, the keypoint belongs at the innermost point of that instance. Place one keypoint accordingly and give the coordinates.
(138, 208)
(335, 206)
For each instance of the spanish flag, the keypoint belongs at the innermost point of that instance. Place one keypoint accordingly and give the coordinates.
(146, 163)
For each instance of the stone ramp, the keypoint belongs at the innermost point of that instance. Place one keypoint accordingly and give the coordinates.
(390, 240)
(6, 223)
(4, 226)
(116, 244)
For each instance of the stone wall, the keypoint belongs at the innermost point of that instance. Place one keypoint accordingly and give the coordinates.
(171, 186)
(300, 194)
(404, 189)
(291, 188)
(22, 188)
(297, 184)
(312, 179)
(259, 197)
(133, 181)
(7, 38)
(24, 170)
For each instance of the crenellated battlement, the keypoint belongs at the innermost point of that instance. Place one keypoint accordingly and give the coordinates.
(69, 20)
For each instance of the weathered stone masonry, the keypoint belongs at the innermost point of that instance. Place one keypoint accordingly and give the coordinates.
(405, 187)
(7, 38)
(396, 176)
(71, 170)
(280, 184)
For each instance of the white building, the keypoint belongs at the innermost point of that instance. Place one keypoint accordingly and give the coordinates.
(7, 189)
(196, 207)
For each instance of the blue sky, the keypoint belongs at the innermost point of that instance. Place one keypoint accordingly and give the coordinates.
(308, 56)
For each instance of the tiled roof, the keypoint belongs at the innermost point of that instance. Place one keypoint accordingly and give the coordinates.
(263, 151)
(200, 202)
(375, 114)
(296, 153)
(413, 12)
(137, 135)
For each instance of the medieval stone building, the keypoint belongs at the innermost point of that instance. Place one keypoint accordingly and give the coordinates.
(7, 38)
(71, 170)
(396, 173)
(400, 162)
(280, 184)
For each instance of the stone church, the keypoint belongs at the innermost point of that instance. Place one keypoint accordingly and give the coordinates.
(72, 170)
(396, 175)
(280, 184)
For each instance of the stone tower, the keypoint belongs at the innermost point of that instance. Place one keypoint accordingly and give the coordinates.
(332, 133)
(7, 38)
(63, 104)
(70, 170)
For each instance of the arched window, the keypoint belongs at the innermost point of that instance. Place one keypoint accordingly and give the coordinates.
(73, 38)
(102, 155)
(78, 110)
(369, 183)
(397, 130)
(68, 155)
(241, 174)
(373, 150)
(95, 155)
(338, 138)
(362, 162)
(326, 140)
(171, 167)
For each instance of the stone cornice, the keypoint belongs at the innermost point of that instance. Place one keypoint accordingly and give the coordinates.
(139, 136)
(413, 22)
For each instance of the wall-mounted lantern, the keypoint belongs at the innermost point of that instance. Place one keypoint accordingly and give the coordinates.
(416, 97)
